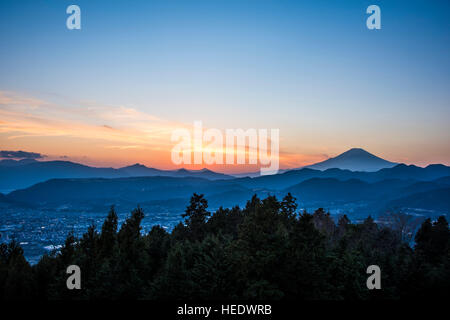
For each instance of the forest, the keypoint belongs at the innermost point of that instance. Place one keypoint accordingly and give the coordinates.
(267, 250)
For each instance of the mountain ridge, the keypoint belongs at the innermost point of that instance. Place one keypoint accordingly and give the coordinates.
(354, 159)
(19, 176)
(23, 174)
(88, 194)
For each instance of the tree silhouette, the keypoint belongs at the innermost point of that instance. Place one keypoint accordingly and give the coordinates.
(196, 215)
(266, 250)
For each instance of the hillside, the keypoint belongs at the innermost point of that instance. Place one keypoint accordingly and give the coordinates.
(434, 200)
(26, 174)
(169, 192)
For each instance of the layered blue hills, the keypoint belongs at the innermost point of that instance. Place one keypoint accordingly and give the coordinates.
(56, 185)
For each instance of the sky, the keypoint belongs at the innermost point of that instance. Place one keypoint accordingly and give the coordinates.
(111, 93)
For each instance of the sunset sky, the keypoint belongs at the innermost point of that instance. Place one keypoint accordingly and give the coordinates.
(112, 93)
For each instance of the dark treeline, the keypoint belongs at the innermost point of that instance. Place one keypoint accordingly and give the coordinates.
(267, 250)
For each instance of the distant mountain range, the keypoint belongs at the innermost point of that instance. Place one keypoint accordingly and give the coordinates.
(61, 185)
(21, 174)
(355, 159)
(18, 174)
(400, 171)
(423, 189)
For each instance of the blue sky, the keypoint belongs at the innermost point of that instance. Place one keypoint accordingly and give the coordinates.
(310, 68)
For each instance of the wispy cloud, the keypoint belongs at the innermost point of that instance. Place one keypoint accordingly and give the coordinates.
(14, 99)
(20, 155)
(114, 134)
(28, 117)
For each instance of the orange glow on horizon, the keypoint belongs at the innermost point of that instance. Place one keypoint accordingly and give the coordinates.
(116, 136)
(111, 137)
